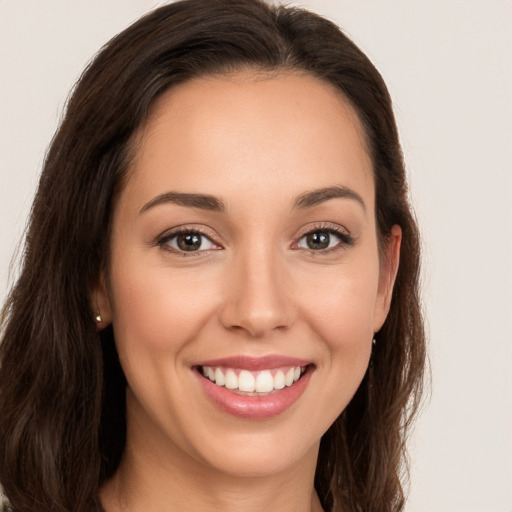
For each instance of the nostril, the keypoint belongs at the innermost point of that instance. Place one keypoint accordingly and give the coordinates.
(256, 324)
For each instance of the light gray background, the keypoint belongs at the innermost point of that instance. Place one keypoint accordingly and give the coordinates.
(448, 65)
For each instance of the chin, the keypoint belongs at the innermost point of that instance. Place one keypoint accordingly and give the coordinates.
(262, 458)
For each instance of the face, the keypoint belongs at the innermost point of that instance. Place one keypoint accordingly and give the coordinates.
(245, 283)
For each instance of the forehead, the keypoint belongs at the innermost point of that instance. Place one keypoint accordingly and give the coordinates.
(251, 130)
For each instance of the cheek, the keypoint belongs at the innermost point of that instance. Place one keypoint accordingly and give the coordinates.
(341, 315)
(159, 309)
(157, 312)
(342, 310)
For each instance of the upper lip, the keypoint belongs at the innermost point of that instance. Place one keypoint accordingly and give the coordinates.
(255, 363)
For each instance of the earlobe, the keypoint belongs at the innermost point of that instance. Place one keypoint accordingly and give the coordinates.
(101, 304)
(387, 275)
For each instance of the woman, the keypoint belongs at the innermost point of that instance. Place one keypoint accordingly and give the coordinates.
(218, 305)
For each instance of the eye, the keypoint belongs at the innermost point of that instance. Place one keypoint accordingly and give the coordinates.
(188, 241)
(323, 239)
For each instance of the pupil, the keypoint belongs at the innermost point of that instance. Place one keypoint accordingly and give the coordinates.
(189, 242)
(318, 240)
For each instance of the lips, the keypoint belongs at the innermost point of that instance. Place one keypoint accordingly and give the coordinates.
(256, 388)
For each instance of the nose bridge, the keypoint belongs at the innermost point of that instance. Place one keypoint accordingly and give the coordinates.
(257, 298)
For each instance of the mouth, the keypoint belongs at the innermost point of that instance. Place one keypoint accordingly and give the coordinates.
(254, 388)
(253, 383)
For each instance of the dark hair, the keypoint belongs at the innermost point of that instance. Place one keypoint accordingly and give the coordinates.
(62, 392)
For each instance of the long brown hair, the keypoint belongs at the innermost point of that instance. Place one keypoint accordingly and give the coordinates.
(62, 410)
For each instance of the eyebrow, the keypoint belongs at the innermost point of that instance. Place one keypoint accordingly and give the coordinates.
(316, 197)
(201, 201)
(212, 203)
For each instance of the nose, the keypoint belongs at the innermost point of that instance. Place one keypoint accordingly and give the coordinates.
(257, 298)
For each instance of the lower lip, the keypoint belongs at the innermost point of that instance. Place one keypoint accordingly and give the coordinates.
(255, 407)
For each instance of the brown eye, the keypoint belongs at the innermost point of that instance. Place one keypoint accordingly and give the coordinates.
(323, 239)
(318, 240)
(188, 241)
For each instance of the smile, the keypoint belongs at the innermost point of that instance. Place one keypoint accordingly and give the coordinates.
(254, 388)
(253, 383)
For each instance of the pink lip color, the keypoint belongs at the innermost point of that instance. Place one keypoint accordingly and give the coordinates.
(255, 363)
(255, 407)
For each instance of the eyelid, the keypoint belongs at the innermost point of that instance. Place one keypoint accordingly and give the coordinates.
(346, 239)
(162, 239)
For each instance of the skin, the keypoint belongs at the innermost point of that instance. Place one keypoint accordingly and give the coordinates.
(257, 142)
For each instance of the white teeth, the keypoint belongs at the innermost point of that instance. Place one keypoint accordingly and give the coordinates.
(279, 380)
(231, 380)
(246, 381)
(219, 377)
(288, 378)
(264, 381)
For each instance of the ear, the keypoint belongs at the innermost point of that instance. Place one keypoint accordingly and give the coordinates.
(387, 276)
(101, 303)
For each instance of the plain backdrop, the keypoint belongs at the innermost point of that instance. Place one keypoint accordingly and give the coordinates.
(448, 65)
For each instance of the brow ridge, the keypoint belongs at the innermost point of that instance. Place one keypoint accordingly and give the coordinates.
(201, 201)
(316, 197)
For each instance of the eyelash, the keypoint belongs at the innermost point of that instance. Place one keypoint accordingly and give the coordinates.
(345, 240)
(163, 241)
